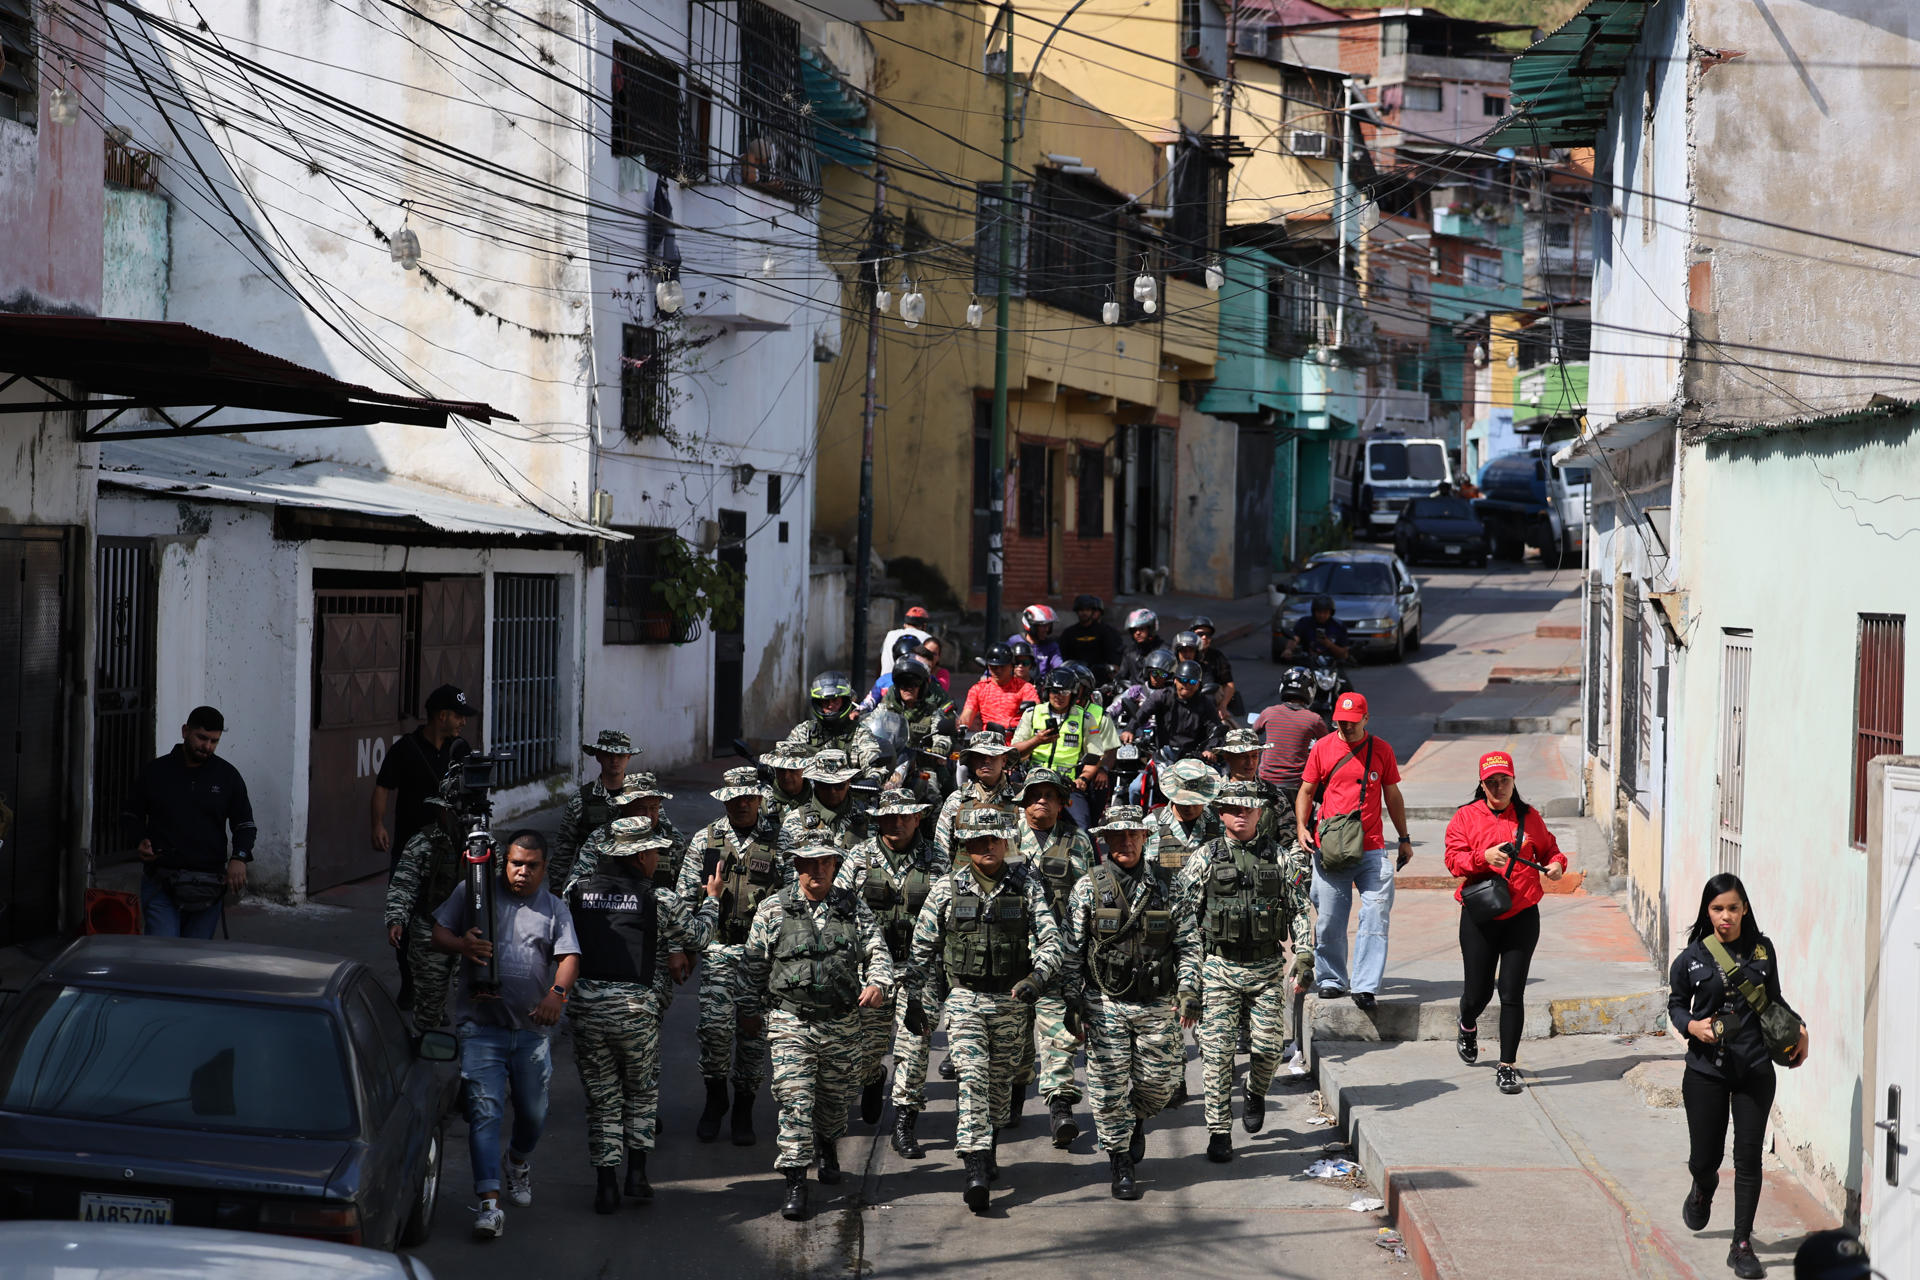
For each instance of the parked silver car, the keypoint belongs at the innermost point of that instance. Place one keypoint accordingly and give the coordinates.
(1374, 597)
(99, 1251)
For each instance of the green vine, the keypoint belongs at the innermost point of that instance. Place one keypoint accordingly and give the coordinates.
(695, 586)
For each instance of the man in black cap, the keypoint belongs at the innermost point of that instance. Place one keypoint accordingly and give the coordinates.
(1091, 640)
(415, 766)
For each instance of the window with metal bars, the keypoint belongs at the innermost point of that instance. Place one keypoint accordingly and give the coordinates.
(1090, 496)
(776, 137)
(1034, 488)
(523, 705)
(1073, 244)
(643, 382)
(1630, 706)
(1199, 191)
(651, 116)
(19, 71)
(1290, 307)
(986, 241)
(1879, 702)
(632, 611)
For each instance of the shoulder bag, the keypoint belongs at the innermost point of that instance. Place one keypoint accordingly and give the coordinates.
(1779, 1025)
(1343, 837)
(1491, 896)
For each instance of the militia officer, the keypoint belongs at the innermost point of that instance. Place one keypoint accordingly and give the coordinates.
(1128, 951)
(789, 789)
(1177, 830)
(1057, 852)
(1241, 753)
(985, 930)
(1247, 904)
(829, 722)
(431, 869)
(1056, 736)
(830, 815)
(743, 849)
(592, 807)
(804, 957)
(626, 929)
(985, 758)
(917, 700)
(645, 798)
(895, 869)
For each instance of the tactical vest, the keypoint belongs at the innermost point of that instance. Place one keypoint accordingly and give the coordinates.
(1244, 912)
(596, 809)
(1055, 869)
(751, 877)
(987, 939)
(969, 801)
(1174, 848)
(1064, 752)
(617, 922)
(843, 831)
(1131, 954)
(444, 872)
(816, 964)
(896, 900)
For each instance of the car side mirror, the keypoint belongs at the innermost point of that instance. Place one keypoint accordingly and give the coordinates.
(437, 1046)
(1406, 588)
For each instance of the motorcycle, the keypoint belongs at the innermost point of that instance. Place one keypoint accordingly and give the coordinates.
(1329, 681)
(922, 766)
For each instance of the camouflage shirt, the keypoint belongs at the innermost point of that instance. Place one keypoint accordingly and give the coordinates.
(666, 874)
(575, 826)
(1043, 851)
(1146, 889)
(430, 866)
(930, 930)
(817, 735)
(776, 804)
(756, 962)
(1165, 832)
(814, 823)
(971, 796)
(1189, 889)
(680, 929)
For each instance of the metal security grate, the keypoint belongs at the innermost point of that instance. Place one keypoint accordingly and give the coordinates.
(1736, 669)
(1630, 709)
(122, 684)
(1879, 701)
(523, 706)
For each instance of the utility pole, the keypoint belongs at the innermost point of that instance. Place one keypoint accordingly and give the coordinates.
(1002, 313)
(863, 543)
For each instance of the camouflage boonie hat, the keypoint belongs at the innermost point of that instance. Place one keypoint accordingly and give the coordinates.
(638, 787)
(1189, 782)
(1124, 817)
(786, 755)
(737, 782)
(831, 767)
(1043, 778)
(975, 824)
(637, 835)
(614, 743)
(1241, 742)
(986, 744)
(814, 852)
(1244, 794)
(897, 803)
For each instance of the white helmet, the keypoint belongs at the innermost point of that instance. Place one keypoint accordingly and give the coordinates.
(1036, 615)
(1143, 618)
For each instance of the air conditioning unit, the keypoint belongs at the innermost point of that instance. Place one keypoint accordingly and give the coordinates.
(1251, 41)
(1308, 143)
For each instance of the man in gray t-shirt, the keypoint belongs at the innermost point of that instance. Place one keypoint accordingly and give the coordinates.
(504, 1039)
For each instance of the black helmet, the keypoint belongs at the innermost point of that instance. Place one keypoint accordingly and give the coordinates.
(1088, 602)
(1083, 680)
(1021, 651)
(1296, 685)
(1058, 680)
(909, 673)
(827, 686)
(1189, 672)
(1185, 640)
(1323, 602)
(999, 655)
(905, 645)
(1161, 662)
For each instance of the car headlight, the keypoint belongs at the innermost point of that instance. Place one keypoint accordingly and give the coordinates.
(1374, 624)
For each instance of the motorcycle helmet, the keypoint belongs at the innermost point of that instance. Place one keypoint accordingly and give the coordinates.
(827, 686)
(1035, 616)
(1088, 602)
(1202, 621)
(1296, 685)
(1161, 662)
(1185, 640)
(909, 673)
(1083, 680)
(1058, 680)
(905, 645)
(1189, 672)
(1022, 652)
(999, 655)
(1323, 602)
(1145, 619)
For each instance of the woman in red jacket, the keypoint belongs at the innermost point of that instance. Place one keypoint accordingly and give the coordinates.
(1481, 841)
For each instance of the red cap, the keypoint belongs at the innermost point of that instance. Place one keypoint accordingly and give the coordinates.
(918, 611)
(1495, 762)
(1351, 708)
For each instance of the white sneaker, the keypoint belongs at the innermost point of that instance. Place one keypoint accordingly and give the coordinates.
(519, 1182)
(490, 1223)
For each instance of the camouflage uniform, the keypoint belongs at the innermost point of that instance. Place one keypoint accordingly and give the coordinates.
(1170, 842)
(987, 1027)
(431, 869)
(1058, 859)
(775, 804)
(616, 1023)
(590, 808)
(923, 718)
(726, 1052)
(814, 1029)
(1244, 966)
(813, 735)
(967, 798)
(894, 885)
(1276, 818)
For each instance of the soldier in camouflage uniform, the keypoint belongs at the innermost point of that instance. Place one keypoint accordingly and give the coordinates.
(829, 725)
(1241, 753)
(895, 870)
(986, 758)
(830, 815)
(1178, 829)
(592, 806)
(744, 850)
(1057, 851)
(986, 932)
(626, 929)
(645, 798)
(917, 700)
(789, 789)
(431, 870)
(805, 956)
(1240, 891)
(1128, 951)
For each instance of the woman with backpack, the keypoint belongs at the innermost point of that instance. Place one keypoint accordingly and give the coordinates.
(1503, 848)
(1724, 997)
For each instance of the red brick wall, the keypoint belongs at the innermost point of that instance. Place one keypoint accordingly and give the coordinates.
(1088, 564)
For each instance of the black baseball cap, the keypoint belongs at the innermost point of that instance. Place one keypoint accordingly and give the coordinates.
(448, 698)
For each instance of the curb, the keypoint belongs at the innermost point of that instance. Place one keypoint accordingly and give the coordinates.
(1534, 675)
(1468, 725)
(1640, 1013)
(1552, 807)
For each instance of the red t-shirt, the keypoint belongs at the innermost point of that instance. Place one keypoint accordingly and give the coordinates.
(995, 705)
(1328, 760)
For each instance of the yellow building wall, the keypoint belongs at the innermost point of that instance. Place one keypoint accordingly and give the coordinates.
(1272, 185)
(1121, 56)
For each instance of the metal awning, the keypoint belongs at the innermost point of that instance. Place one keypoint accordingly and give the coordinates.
(1561, 89)
(226, 470)
(186, 377)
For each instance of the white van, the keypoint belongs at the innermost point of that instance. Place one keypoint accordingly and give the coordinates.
(1377, 474)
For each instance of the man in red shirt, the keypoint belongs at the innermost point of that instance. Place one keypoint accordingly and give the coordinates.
(1000, 698)
(1352, 769)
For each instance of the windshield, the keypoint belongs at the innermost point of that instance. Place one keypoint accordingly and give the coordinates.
(1442, 509)
(1573, 477)
(1393, 460)
(142, 1059)
(1338, 578)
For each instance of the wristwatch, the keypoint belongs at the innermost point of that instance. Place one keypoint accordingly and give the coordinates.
(559, 991)
(1406, 839)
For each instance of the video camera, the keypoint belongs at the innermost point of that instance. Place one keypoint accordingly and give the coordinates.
(471, 782)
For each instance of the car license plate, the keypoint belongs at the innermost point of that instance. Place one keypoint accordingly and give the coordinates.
(1451, 550)
(152, 1210)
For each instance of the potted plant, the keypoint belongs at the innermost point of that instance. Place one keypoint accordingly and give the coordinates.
(694, 586)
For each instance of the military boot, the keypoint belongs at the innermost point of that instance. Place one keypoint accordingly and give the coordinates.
(1123, 1184)
(829, 1153)
(947, 1070)
(903, 1140)
(1137, 1147)
(606, 1191)
(1253, 1112)
(1016, 1103)
(977, 1192)
(637, 1185)
(1180, 1094)
(993, 1158)
(743, 1118)
(873, 1099)
(795, 1207)
(1061, 1123)
(1220, 1147)
(708, 1127)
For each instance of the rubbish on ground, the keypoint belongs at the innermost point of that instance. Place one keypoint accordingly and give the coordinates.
(1389, 1239)
(1367, 1204)
(1334, 1149)
(1332, 1169)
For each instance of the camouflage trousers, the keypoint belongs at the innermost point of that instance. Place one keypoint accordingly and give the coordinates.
(616, 1046)
(882, 1031)
(433, 974)
(1228, 992)
(1135, 1058)
(726, 1053)
(814, 1064)
(1048, 1022)
(988, 1035)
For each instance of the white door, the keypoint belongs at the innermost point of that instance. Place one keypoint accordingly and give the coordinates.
(1894, 1164)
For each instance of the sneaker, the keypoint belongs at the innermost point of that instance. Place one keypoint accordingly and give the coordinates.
(1468, 1045)
(1697, 1209)
(1744, 1264)
(519, 1179)
(1507, 1079)
(491, 1222)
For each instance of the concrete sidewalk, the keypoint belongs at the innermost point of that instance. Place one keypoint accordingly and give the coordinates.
(1515, 708)
(1442, 774)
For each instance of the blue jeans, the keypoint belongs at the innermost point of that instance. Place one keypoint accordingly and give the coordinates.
(162, 919)
(492, 1061)
(1332, 900)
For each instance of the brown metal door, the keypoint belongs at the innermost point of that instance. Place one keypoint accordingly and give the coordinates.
(453, 640)
(360, 697)
(33, 691)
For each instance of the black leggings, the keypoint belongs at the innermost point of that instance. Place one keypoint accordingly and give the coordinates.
(1504, 947)
(1749, 1100)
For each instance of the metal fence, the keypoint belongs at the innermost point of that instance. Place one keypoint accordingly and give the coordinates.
(1879, 704)
(523, 706)
(123, 684)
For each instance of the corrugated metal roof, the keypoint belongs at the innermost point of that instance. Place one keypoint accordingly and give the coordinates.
(1561, 88)
(217, 469)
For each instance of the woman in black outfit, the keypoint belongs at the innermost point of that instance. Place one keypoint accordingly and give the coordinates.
(1732, 1078)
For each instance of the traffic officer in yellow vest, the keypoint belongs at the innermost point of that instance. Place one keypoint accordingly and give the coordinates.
(830, 815)
(986, 759)
(1057, 735)
(789, 789)
(1057, 852)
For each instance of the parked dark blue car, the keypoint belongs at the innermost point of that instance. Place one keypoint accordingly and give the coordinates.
(218, 1084)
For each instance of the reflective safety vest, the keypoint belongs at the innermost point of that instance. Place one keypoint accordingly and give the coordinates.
(1244, 910)
(1064, 752)
(752, 875)
(896, 897)
(616, 920)
(816, 963)
(987, 939)
(1131, 954)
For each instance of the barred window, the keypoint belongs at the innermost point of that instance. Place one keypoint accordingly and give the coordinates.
(19, 73)
(986, 241)
(633, 612)
(1199, 191)
(1091, 498)
(1073, 243)
(643, 382)
(1879, 701)
(1034, 465)
(646, 109)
